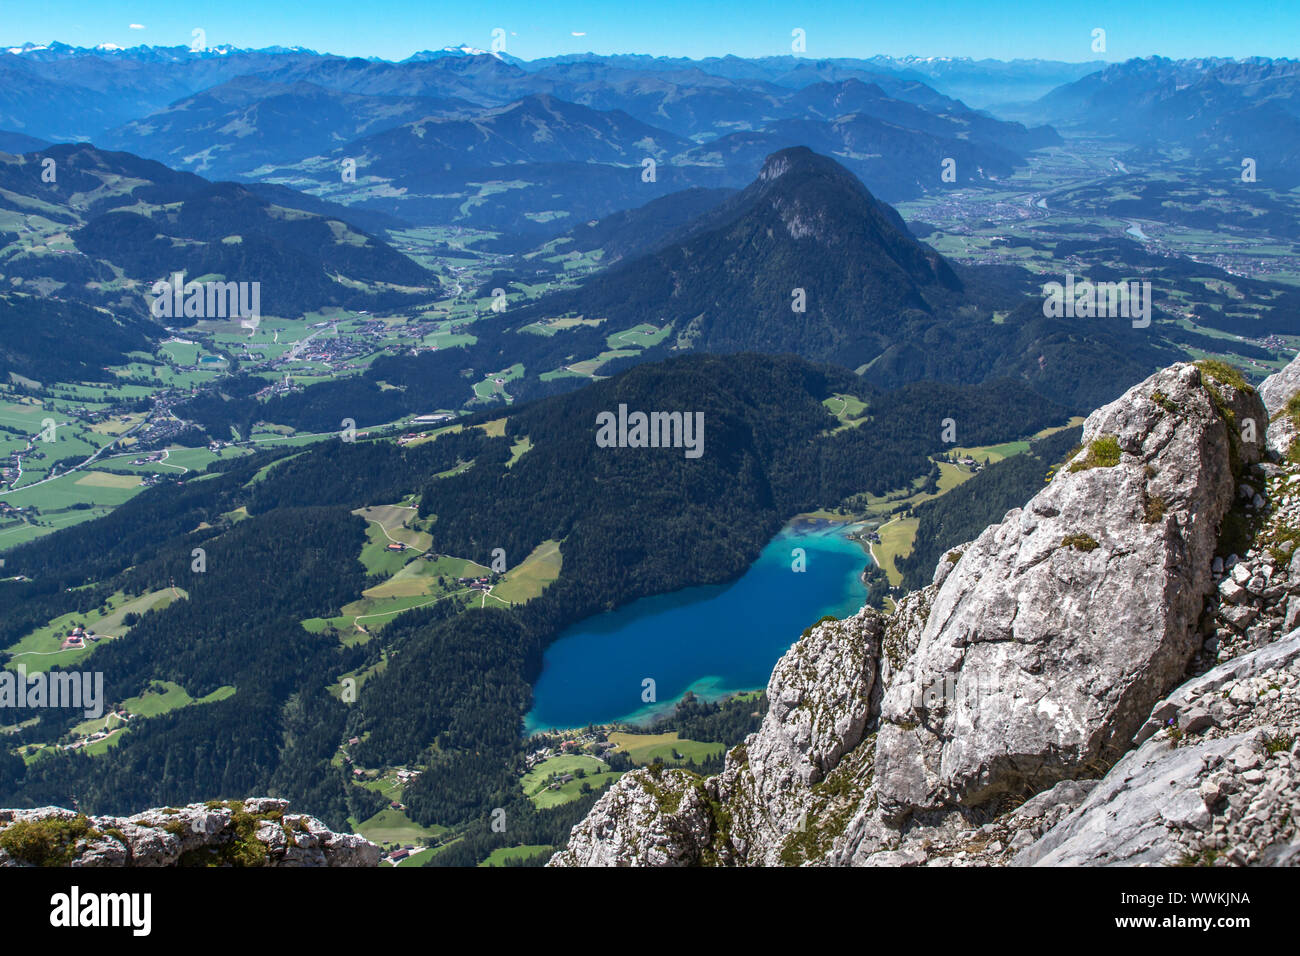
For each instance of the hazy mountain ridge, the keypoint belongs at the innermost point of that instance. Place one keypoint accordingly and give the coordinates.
(1222, 109)
(149, 221)
(232, 129)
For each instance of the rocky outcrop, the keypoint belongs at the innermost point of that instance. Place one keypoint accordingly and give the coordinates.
(992, 716)
(819, 705)
(1053, 635)
(652, 817)
(256, 832)
(1276, 391)
(1216, 779)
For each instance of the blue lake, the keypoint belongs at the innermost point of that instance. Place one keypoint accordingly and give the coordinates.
(712, 640)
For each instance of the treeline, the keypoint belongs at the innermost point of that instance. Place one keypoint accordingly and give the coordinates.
(52, 341)
(727, 722)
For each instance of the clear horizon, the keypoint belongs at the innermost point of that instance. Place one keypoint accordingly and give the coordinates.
(396, 29)
(5, 46)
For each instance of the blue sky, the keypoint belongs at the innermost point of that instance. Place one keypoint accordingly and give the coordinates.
(393, 29)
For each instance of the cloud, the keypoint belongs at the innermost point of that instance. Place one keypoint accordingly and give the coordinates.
(577, 34)
(137, 26)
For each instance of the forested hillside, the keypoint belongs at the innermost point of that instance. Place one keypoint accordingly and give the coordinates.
(632, 522)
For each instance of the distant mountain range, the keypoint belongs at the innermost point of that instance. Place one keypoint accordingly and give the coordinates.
(1222, 110)
(553, 161)
(981, 83)
(66, 94)
(233, 129)
(484, 140)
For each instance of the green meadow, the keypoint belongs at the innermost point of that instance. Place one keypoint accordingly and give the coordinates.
(645, 748)
(40, 649)
(498, 857)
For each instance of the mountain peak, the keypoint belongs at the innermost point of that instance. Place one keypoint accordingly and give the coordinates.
(806, 184)
(780, 163)
(801, 159)
(805, 223)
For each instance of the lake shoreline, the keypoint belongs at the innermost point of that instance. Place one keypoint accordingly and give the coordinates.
(644, 724)
(712, 640)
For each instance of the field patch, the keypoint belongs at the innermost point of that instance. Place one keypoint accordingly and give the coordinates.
(639, 337)
(102, 479)
(499, 856)
(42, 648)
(644, 748)
(391, 522)
(849, 409)
(394, 826)
(896, 539)
(530, 577)
(116, 426)
(160, 697)
(386, 552)
(519, 449)
(557, 780)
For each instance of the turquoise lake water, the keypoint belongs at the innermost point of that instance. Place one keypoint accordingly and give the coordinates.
(711, 640)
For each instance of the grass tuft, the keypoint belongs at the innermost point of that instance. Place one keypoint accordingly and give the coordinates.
(1225, 373)
(49, 842)
(1103, 452)
(1080, 542)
